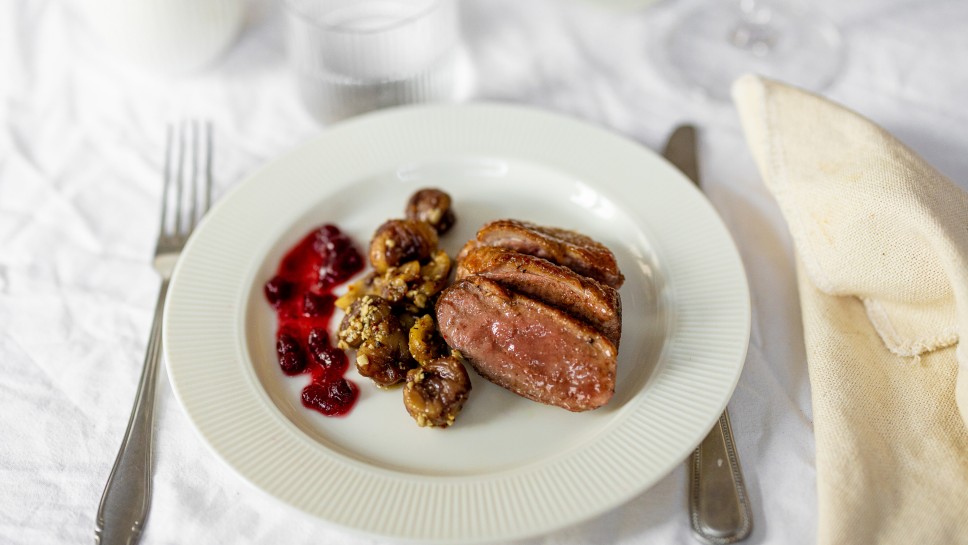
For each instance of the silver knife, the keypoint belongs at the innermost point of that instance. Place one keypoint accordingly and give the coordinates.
(719, 509)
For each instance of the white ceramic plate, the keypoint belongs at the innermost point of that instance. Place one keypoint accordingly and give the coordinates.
(509, 468)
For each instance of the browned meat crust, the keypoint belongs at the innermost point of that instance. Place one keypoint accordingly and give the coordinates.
(526, 346)
(560, 246)
(558, 286)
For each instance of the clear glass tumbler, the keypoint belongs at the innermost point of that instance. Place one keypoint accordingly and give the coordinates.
(353, 56)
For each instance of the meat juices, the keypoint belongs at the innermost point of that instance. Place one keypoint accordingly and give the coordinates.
(535, 310)
(526, 346)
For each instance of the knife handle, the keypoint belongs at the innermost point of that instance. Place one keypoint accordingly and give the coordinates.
(719, 508)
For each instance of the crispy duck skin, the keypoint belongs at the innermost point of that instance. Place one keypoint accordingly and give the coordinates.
(567, 248)
(533, 349)
(560, 287)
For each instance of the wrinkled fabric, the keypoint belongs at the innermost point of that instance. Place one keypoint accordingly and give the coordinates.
(883, 241)
(81, 153)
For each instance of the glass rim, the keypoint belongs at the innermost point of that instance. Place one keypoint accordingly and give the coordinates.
(293, 9)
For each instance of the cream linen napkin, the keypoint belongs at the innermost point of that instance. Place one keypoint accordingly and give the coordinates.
(882, 244)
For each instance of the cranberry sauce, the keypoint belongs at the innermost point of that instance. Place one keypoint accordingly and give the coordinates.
(301, 293)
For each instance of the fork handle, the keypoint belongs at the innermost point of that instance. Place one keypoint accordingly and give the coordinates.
(127, 494)
(719, 508)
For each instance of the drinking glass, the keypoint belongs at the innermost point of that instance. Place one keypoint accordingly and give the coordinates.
(353, 56)
(720, 40)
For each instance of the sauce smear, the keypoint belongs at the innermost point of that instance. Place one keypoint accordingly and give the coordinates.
(302, 294)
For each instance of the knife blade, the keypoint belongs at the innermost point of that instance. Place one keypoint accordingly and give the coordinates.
(719, 509)
(681, 151)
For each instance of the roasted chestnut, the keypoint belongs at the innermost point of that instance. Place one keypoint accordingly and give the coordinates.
(381, 341)
(385, 360)
(425, 344)
(399, 241)
(436, 392)
(363, 320)
(432, 206)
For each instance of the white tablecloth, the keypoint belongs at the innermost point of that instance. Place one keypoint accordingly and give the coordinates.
(81, 142)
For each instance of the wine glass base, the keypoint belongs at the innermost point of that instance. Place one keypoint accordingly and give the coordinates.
(712, 46)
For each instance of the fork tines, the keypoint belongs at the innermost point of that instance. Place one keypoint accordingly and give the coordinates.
(188, 146)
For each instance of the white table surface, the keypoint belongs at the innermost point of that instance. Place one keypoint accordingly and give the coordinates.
(81, 142)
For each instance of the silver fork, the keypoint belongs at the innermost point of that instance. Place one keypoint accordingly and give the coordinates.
(127, 494)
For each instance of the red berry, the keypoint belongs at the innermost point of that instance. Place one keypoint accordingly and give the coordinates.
(318, 340)
(330, 398)
(292, 359)
(300, 294)
(315, 305)
(332, 360)
(330, 240)
(277, 290)
(340, 267)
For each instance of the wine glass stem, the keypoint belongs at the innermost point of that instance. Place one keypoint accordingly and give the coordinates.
(754, 31)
